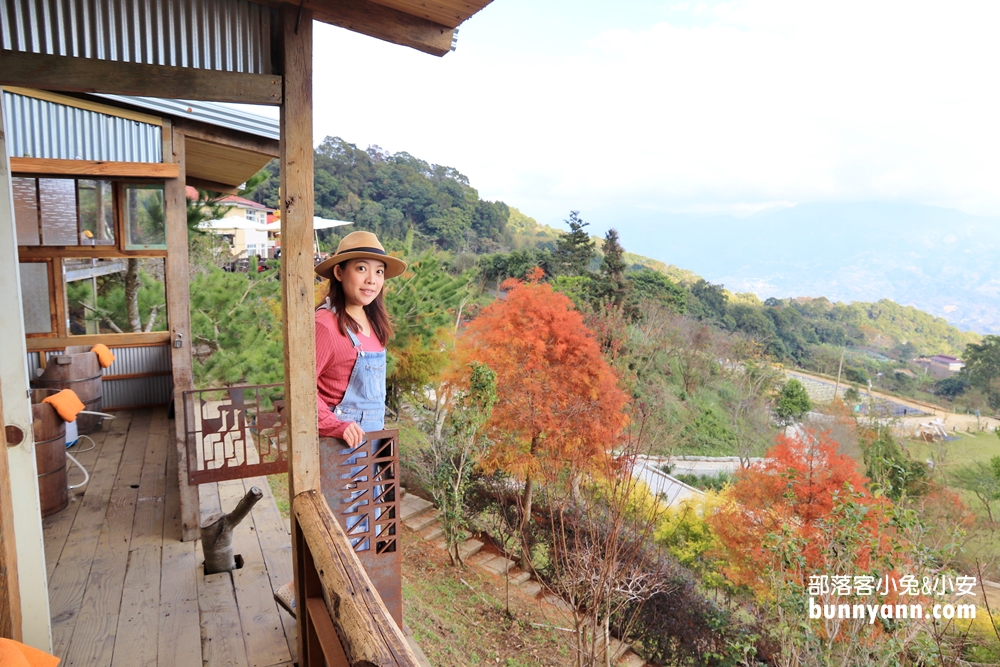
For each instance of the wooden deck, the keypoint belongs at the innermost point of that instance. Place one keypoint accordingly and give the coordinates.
(125, 592)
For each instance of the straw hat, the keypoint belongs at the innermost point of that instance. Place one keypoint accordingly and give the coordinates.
(358, 245)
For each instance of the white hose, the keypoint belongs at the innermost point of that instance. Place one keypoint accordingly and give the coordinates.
(86, 475)
(81, 437)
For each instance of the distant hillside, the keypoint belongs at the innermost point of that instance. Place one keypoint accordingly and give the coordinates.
(939, 260)
(396, 195)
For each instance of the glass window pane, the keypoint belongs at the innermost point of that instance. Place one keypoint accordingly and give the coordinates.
(145, 221)
(26, 210)
(57, 209)
(35, 297)
(118, 295)
(97, 216)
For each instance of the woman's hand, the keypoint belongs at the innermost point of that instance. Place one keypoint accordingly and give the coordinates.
(354, 435)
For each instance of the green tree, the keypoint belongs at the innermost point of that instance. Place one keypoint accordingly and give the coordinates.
(574, 249)
(650, 285)
(447, 464)
(982, 368)
(983, 481)
(612, 286)
(793, 402)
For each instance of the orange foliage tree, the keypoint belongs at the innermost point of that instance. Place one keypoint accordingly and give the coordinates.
(559, 408)
(795, 492)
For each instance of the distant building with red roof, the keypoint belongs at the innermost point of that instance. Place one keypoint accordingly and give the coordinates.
(244, 225)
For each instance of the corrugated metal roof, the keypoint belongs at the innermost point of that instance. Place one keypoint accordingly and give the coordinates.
(221, 115)
(42, 129)
(227, 35)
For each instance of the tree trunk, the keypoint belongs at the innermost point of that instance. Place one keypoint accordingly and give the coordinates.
(132, 295)
(217, 534)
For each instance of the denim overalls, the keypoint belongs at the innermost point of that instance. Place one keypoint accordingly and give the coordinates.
(364, 399)
(364, 404)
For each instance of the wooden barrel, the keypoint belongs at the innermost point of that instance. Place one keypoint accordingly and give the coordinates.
(50, 455)
(81, 372)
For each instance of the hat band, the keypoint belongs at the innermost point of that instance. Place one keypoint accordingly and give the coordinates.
(377, 251)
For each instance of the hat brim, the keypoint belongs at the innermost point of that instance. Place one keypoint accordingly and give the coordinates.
(393, 265)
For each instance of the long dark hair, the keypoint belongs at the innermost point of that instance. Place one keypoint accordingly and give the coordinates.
(377, 314)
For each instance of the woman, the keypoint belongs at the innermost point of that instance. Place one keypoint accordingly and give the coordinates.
(352, 328)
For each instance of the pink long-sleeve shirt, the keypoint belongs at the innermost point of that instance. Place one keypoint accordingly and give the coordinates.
(335, 357)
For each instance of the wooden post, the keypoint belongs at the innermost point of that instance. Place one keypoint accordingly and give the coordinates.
(10, 597)
(22, 477)
(179, 316)
(297, 277)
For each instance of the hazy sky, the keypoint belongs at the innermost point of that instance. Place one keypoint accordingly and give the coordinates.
(630, 108)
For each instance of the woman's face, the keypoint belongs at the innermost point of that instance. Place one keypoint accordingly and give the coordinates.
(361, 279)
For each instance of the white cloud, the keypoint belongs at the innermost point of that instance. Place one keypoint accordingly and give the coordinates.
(720, 106)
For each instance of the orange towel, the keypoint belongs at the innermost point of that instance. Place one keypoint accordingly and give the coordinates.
(104, 355)
(66, 403)
(16, 654)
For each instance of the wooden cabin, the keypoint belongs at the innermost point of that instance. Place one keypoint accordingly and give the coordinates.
(100, 61)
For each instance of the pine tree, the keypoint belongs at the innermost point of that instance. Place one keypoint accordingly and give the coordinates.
(614, 287)
(574, 249)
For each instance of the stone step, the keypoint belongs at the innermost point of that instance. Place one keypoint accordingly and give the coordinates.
(559, 603)
(469, 548)
(630, 659)
(418, 523)
(531, 587)
(519, 577)
(412, 506)
(497, 565)
(432, 532)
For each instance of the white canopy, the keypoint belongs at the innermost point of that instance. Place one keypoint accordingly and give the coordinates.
(318, 223)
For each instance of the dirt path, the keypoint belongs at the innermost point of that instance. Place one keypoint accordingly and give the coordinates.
(952, 420)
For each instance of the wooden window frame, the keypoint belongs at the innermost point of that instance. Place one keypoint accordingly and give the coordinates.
(53, 256)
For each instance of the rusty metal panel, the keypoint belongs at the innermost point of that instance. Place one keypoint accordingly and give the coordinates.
(43, 129)
(359, 484)
(227, 35)
(235, 432)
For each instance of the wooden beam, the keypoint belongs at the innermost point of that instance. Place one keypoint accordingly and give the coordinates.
(234, 138)
(179, 317)
(212, 186)
(297, 280)
(88, 75)
(36, 166)
(151, 339)
(367, 631)
(85, 251)
(10, 596)
(385, 23)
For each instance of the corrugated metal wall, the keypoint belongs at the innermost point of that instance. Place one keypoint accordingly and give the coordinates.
(227, 35)
(129, 392)
(37, 128)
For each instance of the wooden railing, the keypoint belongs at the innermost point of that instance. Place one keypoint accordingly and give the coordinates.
(343, 620)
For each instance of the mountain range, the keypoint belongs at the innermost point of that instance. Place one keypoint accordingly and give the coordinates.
(942, 261)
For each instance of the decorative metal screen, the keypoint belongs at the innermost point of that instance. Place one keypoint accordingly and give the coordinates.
(235, 432)
(359, 484)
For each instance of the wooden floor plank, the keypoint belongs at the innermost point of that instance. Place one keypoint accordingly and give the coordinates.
(94, 635)
(57, 526)
(172, 497)
(147, 528)
(262, 630)
(179, 641)
(221, 634)
(69, 579)
(138, 619)
(209, 501)
(276, 547)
